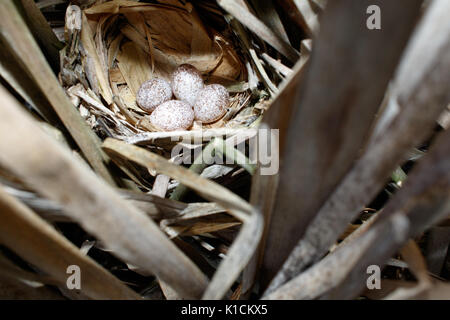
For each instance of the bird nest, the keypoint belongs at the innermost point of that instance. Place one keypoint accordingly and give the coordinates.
(115, 46)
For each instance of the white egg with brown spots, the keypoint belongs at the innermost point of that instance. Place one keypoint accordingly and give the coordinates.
(152, 93)
(187, 82)
(211, 103)
(172, 115)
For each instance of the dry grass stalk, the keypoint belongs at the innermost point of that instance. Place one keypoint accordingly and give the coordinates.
(248, 238)
(42, 32)
(24, 47)
(40, 244)
(253, 23)
(425, 191)
(266, 11)
(155, 207)
(16, 76)
(421, 99)
(304, 14)
(264, 188)
(14, 289)
(122, 227)
(313, 148)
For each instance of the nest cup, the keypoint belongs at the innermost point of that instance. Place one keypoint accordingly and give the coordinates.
(118, 45)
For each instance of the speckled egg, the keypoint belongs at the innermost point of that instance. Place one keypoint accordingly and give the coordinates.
(187, 83)
(211, 103)
(152, 93)
(172, 115)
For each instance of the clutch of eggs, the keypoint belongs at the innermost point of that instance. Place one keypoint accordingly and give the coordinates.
(205, 104)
